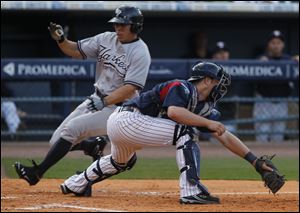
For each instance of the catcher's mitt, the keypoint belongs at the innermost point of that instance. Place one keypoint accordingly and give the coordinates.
(273, 180)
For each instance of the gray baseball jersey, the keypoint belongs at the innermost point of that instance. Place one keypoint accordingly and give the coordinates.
(117, 63)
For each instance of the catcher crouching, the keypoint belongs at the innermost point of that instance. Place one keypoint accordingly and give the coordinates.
(166, 116)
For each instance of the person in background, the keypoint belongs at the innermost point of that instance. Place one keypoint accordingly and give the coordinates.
(272, 131)
(221, 52)
(9, 110)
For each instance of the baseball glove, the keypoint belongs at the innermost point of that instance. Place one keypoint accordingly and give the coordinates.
(273, 180)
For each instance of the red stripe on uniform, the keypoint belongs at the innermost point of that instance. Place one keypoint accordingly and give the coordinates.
(166, 89)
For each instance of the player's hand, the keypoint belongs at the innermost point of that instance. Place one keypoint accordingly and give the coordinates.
(56, 32)
(216, 127)
(264, 166)
(95, 103)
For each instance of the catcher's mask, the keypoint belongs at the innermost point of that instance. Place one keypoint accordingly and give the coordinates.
(129, 15)
(215, 71)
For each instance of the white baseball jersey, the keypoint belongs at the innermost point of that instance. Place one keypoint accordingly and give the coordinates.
(117, 64)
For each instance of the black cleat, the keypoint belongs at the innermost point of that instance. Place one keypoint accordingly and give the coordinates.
(86, 193)
(30, 174)
(96, 151)
(199, 199)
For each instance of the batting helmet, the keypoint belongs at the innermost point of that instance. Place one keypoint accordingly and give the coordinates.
(215, 71)
(129, 15)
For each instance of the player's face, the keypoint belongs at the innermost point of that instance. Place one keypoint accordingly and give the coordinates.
(207, 85)
(123, 32)
(211, 83)
(275, 47)
(221, 55)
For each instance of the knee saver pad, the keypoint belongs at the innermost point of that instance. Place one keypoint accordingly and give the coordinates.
(191, 154)
(127, 166)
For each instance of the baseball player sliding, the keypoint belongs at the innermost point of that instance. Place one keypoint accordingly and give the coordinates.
(123, 61)
(164, 116)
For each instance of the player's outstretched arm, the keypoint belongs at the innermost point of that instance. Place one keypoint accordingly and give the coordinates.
(233, 143)
(263, 165)
(68, 47)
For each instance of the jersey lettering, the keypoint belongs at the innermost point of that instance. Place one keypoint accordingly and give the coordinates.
(119, 61)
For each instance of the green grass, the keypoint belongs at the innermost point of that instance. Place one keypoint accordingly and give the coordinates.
(166, 168)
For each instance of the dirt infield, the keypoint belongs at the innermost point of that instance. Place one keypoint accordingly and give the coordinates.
(145, 195)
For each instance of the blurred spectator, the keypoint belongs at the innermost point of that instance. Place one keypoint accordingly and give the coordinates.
(220, 51)
(274, 109)
(296, 58)
(9, 110)
(198, 46)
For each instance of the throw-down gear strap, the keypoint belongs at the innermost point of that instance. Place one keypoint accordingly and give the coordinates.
(191, 154)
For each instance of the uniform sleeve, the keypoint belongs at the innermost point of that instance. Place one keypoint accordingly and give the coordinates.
(138, 69)
(177, 95)
(89, 47)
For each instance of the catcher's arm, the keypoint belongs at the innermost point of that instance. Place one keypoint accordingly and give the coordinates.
(184, 116)
(232, 143)
(263, 165)
(235, 145)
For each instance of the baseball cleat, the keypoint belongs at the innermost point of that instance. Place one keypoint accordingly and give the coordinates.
(64, 189)
(86, 193)
(30, 174)
(199, 199)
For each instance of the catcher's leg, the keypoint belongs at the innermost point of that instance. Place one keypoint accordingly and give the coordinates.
(105, 167)
(188, 161)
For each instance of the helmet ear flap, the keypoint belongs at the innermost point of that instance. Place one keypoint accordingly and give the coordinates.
(136, 28)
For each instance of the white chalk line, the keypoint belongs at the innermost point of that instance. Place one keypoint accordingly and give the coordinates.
(57, 205)
(8, 197)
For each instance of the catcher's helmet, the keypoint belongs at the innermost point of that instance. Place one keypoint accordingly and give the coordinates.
(215, 71)
(129, 15)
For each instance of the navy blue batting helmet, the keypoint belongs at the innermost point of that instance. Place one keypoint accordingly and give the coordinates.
(129, 15)
(214, 71)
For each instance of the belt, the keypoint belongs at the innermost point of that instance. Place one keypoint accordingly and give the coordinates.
(127, 108)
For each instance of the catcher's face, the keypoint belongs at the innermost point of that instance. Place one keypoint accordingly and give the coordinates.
(123, 32)
(210, 83)
(205, 87)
